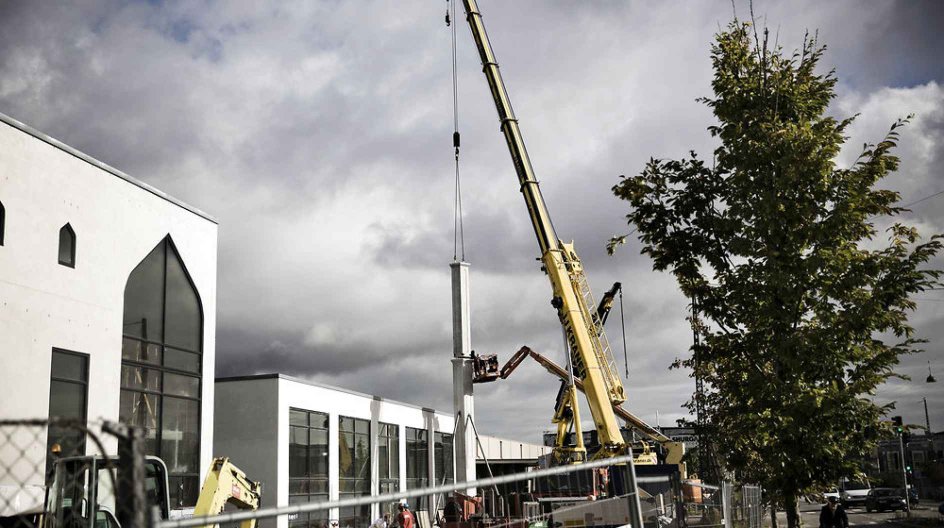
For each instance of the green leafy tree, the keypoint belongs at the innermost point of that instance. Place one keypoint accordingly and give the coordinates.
(803, 308)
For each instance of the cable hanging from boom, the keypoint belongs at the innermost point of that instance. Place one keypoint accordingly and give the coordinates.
(458, 242)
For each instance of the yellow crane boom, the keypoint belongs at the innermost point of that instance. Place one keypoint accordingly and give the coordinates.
(591, 358)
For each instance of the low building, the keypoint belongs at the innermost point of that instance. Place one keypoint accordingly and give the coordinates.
(107, 310)
(924, 463)
(307, 441)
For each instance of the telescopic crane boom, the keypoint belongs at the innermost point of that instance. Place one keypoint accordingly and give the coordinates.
(591, 359)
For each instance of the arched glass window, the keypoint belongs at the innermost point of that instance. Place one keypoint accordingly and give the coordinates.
(161, 360)
(67, 246)
(3, 217)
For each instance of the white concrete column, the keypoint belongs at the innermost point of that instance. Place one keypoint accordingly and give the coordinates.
(462, 397)
(334, 464)
(374, 462)
(401, 448)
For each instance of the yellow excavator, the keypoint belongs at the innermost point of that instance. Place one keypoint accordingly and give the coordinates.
(84, 492)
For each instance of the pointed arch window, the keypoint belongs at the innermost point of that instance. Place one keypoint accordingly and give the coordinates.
(161, 365)
(67, 246)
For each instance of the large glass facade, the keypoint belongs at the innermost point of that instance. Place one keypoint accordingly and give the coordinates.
(68, 400)
(161, 359)
(308, 464)
(388, 463)
(417, 463)
(354, 469)
(443, 464)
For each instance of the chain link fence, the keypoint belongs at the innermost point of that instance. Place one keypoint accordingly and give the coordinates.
(58, 473)
(64, 474)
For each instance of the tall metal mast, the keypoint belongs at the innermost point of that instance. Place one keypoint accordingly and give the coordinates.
(589, 349)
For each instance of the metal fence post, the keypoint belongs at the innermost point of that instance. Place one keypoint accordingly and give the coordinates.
(726, 503)
(132, 500)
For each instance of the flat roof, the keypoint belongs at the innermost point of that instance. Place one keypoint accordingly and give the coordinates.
(101, 165)
(277, 375)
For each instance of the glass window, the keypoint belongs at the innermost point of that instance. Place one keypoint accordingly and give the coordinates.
(417, 463)
(70, 366)
(68, 398)
(67, 246)
(388, 462)
(308, 464)
(354, 468)
(443, 464)
(161, 354)
(3, 217)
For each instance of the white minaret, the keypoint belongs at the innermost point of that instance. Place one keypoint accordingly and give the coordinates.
(462, 398)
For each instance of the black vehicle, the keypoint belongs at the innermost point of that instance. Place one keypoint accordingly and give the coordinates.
(880, 499)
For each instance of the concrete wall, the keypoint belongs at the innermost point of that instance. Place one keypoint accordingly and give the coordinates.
(43, 304)
(246, 430)
(501, 449)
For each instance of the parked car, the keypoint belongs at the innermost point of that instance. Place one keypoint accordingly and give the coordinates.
(881, 499)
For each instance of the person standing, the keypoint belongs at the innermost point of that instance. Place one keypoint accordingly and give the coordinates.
(833, 515)
(405, 518)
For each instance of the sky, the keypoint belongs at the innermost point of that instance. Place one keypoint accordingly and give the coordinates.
(319, 134)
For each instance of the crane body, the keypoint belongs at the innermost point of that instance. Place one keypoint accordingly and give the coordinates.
(590, 356)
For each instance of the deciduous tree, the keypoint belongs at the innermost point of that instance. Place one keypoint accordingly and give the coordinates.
(803, 303)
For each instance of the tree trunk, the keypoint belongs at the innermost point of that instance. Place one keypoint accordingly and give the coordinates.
(773, 514)
(792, 508)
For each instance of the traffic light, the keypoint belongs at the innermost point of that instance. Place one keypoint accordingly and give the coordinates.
(897, 423)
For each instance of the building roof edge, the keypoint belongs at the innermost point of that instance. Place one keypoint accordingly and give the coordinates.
(277, 375)
(23, 127)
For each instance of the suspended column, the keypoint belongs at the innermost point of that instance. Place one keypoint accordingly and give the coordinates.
(462, 398)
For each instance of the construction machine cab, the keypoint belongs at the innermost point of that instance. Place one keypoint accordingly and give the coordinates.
(84, 491)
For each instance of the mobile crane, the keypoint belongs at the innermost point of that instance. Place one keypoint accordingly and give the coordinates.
(589, 352)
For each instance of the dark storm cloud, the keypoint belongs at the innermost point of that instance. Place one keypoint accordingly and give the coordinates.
(319, 134)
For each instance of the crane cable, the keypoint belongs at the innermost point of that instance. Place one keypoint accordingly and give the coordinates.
(623, 324)
(458, 237)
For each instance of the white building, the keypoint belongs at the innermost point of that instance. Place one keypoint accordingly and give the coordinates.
(107, 306)
(307, 441)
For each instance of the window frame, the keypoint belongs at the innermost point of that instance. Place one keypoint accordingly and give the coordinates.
(73, 242)
(72, 381)
(420, 436)
(3, 221)
(168, 246)
(358, 487)
(309, 519)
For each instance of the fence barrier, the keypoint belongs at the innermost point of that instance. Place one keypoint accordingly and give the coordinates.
(65, 474)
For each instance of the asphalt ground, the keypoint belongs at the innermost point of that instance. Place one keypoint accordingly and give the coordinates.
(809, 516)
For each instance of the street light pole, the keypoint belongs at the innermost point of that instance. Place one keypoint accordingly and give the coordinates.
(927, 417)
(904, 474)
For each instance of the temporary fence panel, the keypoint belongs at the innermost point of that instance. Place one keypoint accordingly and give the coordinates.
(65, 473)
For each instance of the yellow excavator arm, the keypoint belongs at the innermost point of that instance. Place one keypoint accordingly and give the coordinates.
(227, 484)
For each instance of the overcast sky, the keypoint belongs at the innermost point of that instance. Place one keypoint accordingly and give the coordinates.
(319, 134)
